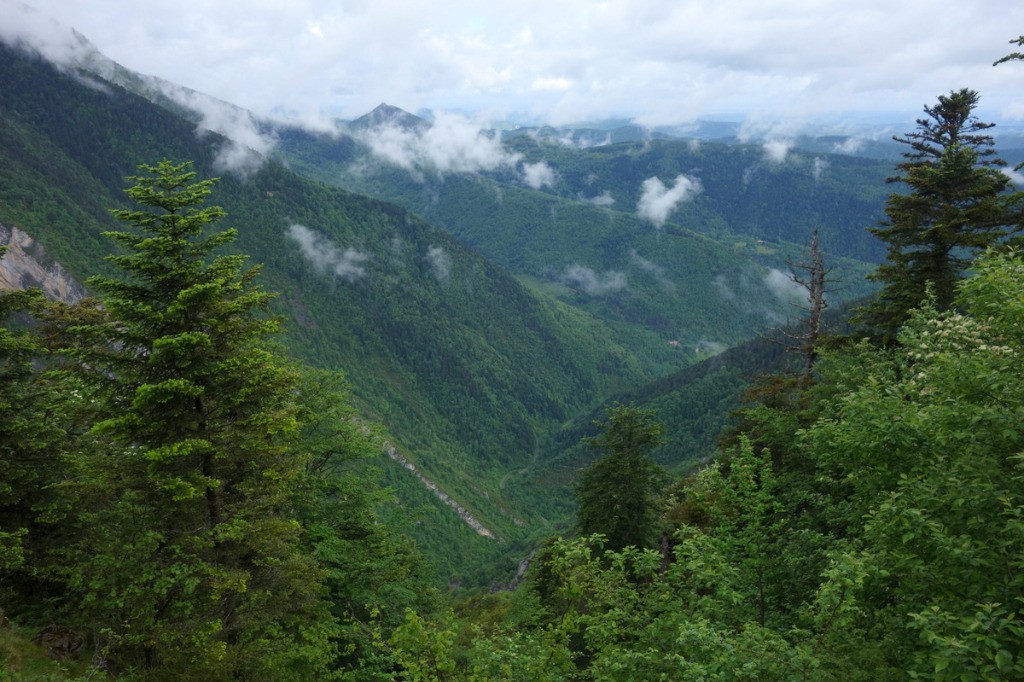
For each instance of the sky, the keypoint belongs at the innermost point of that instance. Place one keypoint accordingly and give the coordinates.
(769, 63)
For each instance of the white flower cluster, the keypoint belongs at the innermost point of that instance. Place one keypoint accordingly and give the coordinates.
(953, 333)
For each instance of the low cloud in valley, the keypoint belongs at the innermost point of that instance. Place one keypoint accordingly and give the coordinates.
(440, 262)
(325, 256)
(818, 167)
(655, 270)
(452, 144)
(783, 286)
(539, 175)
(604, 200)
(658, 201)
(776, 151)
(594, 283)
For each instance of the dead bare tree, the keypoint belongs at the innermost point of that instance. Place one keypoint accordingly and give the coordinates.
(811, 274)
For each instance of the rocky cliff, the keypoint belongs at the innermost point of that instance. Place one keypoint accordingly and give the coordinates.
(25, 265)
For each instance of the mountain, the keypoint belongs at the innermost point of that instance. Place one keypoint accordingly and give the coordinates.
(704, 280)
(708, 277)
(464, 365)
(385, 115)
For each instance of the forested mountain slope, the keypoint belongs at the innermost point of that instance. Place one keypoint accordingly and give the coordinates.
(433, 338)
(664, 239)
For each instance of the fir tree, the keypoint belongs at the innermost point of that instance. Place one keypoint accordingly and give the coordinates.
(956, 207)
(189, 551)
(616, 493)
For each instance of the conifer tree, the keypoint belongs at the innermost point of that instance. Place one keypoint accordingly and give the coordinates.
(616, 493)
(188, 558)
(956, 207)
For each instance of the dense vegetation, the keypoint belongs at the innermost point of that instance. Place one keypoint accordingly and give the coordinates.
(864, 527)
(183, 498)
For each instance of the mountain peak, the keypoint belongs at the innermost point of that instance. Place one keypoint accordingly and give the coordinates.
(388, 116)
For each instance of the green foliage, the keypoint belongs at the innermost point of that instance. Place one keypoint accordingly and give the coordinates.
(16, 439)
(199, 508)
(696, 280)
(615, 494)
(926, 455)
(371, 573)
(883, 542)
(34, 425)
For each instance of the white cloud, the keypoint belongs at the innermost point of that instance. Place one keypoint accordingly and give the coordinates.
(594, 283)
(654, 269)
(577, 139)
(57, 42)
(604, 199)
(818, 167)
(1016, 177)
(551, 84)
(564, 61)
(539, 175)
(1014, 111)
(775, 151)
(721, 284)
(710, 347)
(658, 201)
(850, 145)
(246, 148)
(452, 144)
(24, 26)
(325, 256)
(440, 262)
(784, 287)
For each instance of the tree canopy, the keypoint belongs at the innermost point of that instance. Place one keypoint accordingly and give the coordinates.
(957, 206)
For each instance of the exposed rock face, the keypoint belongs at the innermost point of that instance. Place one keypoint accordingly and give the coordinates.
(22, 267)
(441, 495)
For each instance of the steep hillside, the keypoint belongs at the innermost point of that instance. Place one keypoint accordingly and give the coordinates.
(665, 240)
(464, 365)
(694, 405)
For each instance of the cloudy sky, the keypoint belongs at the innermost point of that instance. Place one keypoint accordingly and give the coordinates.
(565, 61)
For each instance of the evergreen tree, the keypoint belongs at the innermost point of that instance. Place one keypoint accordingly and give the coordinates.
(616, 493)
(188, 557)
(956, 206)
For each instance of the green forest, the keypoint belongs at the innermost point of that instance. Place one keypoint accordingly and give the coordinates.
(191, 488)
